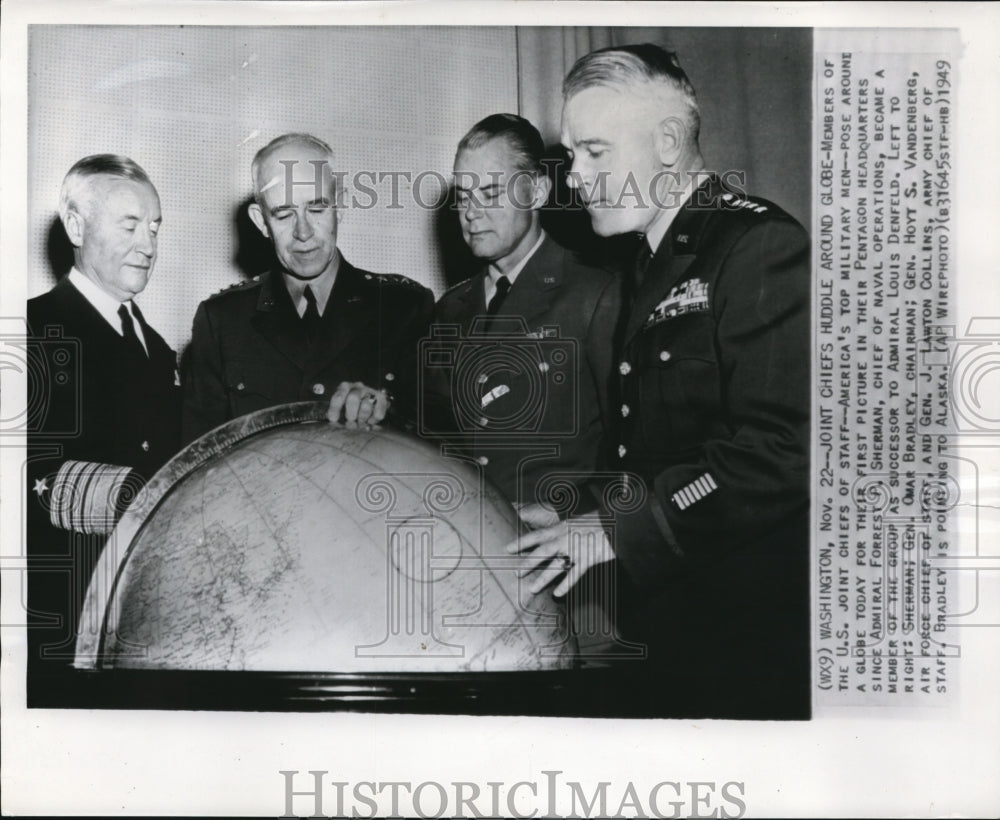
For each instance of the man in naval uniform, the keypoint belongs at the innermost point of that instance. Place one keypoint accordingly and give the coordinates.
(712, 367)
(106, 410)
(523, 357)
(318, 328)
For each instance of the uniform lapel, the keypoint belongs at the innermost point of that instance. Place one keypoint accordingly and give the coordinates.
(353, 304)
(277, 320)
(160, 353)
(102, 343)
(674, 256)
(536, 285)
(84, 318)
(471, 298)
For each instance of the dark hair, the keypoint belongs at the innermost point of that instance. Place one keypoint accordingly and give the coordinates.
(521, 136)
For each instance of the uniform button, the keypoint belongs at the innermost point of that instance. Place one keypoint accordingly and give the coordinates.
(390, 377)
(624, 368)
(483, 421)
(664, 355)
(625, 411)
(145, 446)
(482, 378)
(543, 366)
(319, 389)
(621, 451)
(483, 460)
(241, 386)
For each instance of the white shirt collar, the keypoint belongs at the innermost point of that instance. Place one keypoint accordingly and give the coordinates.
(494, 275)
(321, 286)
(105, 304)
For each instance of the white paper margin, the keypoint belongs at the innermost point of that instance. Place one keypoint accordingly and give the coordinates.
(869, 763)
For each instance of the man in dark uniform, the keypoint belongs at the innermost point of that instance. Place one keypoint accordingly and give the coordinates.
(523, 347)
(713, 397)
(317, 328)
(535, 408)
(106, 410)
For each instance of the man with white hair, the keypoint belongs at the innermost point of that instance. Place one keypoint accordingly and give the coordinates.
(105, 413)
(712, 387)
(317, 328)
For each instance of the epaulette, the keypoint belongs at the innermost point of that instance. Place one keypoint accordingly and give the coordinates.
(734, 202)
(697, 217)
(246, 285)
(392, 279)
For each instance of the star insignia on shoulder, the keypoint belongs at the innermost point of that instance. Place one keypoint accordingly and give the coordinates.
(246, 283)
(734, 202)
(41, 486)
(395, 279)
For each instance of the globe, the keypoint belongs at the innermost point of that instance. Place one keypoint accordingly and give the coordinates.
(280, 542)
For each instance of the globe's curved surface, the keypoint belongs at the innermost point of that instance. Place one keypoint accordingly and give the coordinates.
(279, 542)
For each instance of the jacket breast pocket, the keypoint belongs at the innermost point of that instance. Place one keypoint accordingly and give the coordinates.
(680, 388)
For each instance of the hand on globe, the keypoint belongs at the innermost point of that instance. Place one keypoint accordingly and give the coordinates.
(357, 405)
(536, 516)
(567, 550)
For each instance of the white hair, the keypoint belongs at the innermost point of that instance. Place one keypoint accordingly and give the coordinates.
(76, 193)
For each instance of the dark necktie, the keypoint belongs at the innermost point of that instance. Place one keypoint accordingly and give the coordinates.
(503, 287)
(311, 319)
(128, 330)
(640, 263)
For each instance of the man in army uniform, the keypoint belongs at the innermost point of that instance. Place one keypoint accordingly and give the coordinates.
(317, 328)
(712, 361)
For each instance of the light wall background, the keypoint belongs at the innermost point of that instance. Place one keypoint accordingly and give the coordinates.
(193, 104)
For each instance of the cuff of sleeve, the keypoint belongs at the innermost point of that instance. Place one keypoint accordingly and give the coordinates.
(644, 543)
(90, 497)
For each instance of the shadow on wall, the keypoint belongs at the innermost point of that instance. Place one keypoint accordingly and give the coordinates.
(254, 253)
(457, 261)
(58, 249)
(564, 217)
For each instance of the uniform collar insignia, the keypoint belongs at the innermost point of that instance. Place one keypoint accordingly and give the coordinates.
(686, 230)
